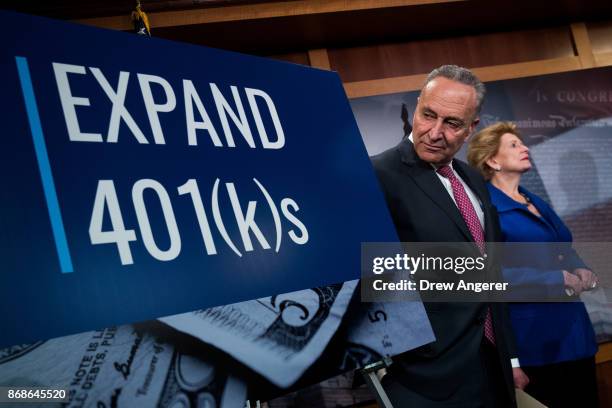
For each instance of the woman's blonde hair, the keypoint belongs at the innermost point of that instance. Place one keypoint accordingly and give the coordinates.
(485, 144)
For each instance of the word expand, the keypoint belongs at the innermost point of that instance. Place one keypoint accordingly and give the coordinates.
(106, 198)
(192, 101)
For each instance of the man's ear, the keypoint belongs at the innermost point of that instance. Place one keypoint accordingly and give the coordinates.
(472, 127)
(475, 122)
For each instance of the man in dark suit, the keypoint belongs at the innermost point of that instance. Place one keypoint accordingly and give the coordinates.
(433, 197)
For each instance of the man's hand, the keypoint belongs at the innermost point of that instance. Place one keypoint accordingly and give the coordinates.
(573, 283)
(588, 278)
(520, 378)
(381, 373)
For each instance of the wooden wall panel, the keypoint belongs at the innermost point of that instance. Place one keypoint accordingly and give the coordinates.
(600, 34)
(319, 58)
(604, 353)
(417, 57)
(603, 358)
(604, 384)
(582, 45)
(295, 57)
(409, 83)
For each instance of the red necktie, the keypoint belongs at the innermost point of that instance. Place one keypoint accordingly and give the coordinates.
(471, 220)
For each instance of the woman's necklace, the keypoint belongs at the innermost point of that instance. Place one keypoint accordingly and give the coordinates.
(530, 206)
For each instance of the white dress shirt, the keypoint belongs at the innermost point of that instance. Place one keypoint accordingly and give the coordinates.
(447, 185)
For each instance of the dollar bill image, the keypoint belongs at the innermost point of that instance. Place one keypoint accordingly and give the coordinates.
(278, 336)
(126, 366)
(382, 329)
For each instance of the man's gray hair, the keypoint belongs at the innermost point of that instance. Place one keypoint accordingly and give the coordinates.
(461, 75)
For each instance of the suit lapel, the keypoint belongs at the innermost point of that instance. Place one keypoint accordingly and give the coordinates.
(426, 179)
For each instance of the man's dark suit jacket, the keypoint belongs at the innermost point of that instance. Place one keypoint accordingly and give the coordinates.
(423, 211)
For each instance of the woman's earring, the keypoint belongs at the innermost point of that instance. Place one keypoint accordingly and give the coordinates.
(498, 168)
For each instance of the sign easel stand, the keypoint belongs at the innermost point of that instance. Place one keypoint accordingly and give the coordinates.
(369, 374)
(370, 377)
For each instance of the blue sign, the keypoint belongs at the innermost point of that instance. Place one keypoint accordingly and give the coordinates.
(143, 178)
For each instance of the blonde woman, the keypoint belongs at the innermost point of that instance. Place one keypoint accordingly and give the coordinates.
(556, 342)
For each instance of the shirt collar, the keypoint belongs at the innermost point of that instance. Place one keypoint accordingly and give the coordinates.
(504, 203)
